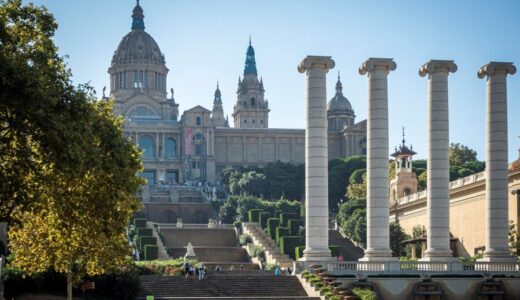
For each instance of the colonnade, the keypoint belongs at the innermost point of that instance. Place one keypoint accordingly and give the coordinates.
(438, 235)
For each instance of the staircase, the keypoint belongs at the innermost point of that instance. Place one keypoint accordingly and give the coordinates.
(271, 250)
(162, 254)
(239, 285)
(347, 249)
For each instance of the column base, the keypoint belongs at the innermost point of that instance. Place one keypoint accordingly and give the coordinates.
(317, 255)
(439, 255)
(378, 255)
(497, 256)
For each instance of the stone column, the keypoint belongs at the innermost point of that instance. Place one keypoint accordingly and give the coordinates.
(316, 159)
(438, 192)
(378, 235)
(496, 161)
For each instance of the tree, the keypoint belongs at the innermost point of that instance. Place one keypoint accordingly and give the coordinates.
(397, 236)
(68, 176)
(340, 171)
(252, 183)
(357, 189)
(460, 154)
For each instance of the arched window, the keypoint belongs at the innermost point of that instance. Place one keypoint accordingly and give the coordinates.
(147, 145)
(253, 102)
(171, 148)
(198, 121)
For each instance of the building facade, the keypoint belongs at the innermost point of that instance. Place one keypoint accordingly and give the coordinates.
(199, 144)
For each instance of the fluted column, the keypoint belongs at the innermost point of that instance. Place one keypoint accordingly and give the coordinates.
(497, 248)
(378, 241)
(316, 159)
(438, 167)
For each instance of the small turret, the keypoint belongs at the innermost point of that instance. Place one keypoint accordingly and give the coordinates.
(405, 182)
(138, 18)
(217, 115)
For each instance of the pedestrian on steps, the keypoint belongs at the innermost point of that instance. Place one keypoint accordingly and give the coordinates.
(186, 269)
(201, 271)
(277, 271)
(288, 271)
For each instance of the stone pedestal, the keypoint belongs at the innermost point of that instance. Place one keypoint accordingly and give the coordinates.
(316, 159)
(438, 192)
(378, 241)
(497, 224)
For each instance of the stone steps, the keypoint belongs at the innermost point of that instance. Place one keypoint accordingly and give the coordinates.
(271, 250)
(348, 249)
(162, 254)
(241, 285)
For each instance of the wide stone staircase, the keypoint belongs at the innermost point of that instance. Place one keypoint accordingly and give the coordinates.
(271, 250)
(347, 249)
(237, 285)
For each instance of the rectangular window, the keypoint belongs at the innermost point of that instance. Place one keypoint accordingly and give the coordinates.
(121, 85)
(149, 176)
(140, 79)
(145, 79)
(198, 149)
(136, 79)
(171, 176)
(194, 165)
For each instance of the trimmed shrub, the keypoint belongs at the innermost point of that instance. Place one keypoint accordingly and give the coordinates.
(280, 232)
(277, 213)
(144, 231)
(272, 223)
(140, 223)
(151, 252)
(285, 217)
(264, 216)
(245, 239)
(253, 214)
(298, 252)
(139, 215)
(142, 241)
(334, 250)
(294, 226)
(289, 243)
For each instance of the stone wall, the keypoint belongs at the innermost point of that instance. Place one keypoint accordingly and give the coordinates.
(211, 237)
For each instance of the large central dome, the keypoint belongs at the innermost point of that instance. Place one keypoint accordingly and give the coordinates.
(138, 47)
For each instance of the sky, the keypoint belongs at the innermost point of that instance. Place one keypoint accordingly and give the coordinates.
(205, 40)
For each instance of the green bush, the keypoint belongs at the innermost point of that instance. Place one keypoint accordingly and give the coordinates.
(289, 243)
(238, 225)
(140, 223)
(245, 239)
(151, 252)
(142, 241)
(294, 226)
(144, 231)
(298, 252)
(253, 214)
(277, 213)
(285, 217)
(256, 251)
(334, 250)
(262, 220)
(272, 223)
(364, 294)
(281, 231)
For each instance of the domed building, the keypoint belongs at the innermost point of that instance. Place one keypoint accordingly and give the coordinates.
(199, 143)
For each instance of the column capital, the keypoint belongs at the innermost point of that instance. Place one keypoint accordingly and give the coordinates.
(494, 67)
(371, 64)
(312, 62)
(435, 66)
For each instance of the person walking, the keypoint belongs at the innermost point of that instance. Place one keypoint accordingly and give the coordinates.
(277, 271)
(288, 271)
(201, 271)
(186, 270)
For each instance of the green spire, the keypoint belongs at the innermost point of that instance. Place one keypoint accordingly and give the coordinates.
(137, 17)
(250, 67)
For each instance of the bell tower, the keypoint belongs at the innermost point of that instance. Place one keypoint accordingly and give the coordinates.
(405, 182)
(251, 109)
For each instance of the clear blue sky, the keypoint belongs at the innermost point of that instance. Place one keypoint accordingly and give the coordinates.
(206, 40)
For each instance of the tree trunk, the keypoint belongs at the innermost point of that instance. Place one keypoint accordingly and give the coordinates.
(69, 285)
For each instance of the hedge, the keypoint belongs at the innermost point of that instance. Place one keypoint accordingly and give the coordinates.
(263, 217)
(253, 214)
(334, 250)
(140, 223)
(144, 232)
(272, 223)
(280, 232)
(289, 243)
(298, 251)
(277, 213)
(294, 226)
(142, 241)
(151, 252)
(285, 217)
